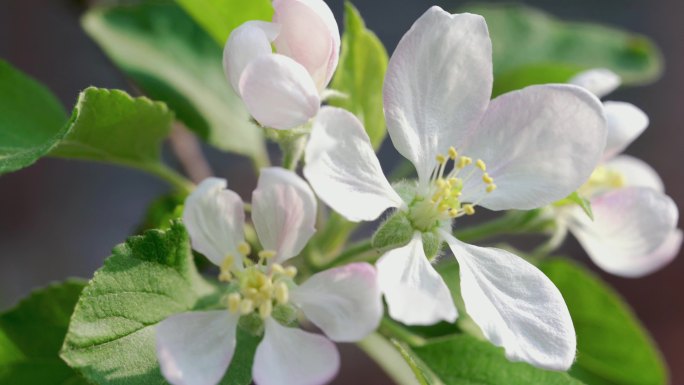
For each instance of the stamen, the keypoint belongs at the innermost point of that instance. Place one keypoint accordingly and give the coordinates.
(265, 309)
(282, 293)
(266, 254)
(234, 302)
(244, 248)
(487, 179)
(481, 165)
(491, 188)
(246, 306)
(468, 209)
(291, 271)
(453, 154)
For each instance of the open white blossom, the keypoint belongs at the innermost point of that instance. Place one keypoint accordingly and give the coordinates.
(522, 150)
(283, 90)
(634, 231)
(196, 348)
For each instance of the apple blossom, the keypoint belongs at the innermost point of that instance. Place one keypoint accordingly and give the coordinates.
(634, 230)
(196, 348)
(283, 90)
(522, 150)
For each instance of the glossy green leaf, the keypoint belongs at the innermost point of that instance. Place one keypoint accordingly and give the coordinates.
(174, 60)
(32, 119)
(111, 339)
(532, 47)
(466, 360)
(31, 334)
(220, 17)
(613, 347)
(360, 75)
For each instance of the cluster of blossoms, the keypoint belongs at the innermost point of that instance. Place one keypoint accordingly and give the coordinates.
(523, 150)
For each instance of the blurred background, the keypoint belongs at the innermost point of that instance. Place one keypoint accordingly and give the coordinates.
(61, 218)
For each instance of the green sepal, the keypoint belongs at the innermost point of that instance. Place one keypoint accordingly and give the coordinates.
(432, 244)
(576, 198)
(396, 231)
(285, 314)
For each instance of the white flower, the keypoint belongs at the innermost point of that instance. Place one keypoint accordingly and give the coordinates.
(283, 90)
(521, 150)
(634, 231)
(345, 303)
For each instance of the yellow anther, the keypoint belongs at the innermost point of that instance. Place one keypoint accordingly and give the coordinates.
(291, 271)
(277, 268)
(265, 309)
(225, 276)
(453, 213)
(244, 248)
(282, 293)
(469, 209)
(441, 159)
(251, 292)
(234, 302)
(246, 306)
(267, 254)
(453, 154)
(266, 287)
(491, 187)
(481, 165)
(464, 161)
(227, 263)
(487, 179)
(453, 182)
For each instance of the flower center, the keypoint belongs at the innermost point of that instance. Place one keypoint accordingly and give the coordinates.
(442, 200)
(601, 180)
(260, 286)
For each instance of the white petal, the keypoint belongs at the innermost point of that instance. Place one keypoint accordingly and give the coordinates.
(288, 356)
(415, 293)
(196, 348)
(343, 168)
(629, 228)
(438, 85)
(625, 123)
(247, 42)
(309, 35)
(598, 81)
(540, 144)
(283, 212)
(636, 172)
(215, 220)
(344, 302)
(278, 92)
(516, 306)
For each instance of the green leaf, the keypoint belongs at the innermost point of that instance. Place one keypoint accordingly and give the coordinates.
(162, 211)
(32, 119)
(172, 59)
(465, 360)
(360, 75)
(220, 17)
(111, 338)
(613, 347)
(32, 333)
(532, 47)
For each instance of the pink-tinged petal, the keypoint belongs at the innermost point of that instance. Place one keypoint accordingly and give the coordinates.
(632, 231)
(635, 172)
(344, 302)
(283, 212)
(415, 293)
(625, 123)
(516, 306)
(540, 144)
(215, 220)
(309, 35)
(196, 348)
(247, 42)
(343, 168)
(437, 86)
(599, 81)
(278, 92)
(289, 356)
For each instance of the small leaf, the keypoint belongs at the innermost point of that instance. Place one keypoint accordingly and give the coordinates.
(32, 119)
(613, 347)
(533, 47)
(111, 339)
(360, 75)
(577, 199)
(32, 333)
(173, 60)
(111, 126)
(220, 17)
(465, 360)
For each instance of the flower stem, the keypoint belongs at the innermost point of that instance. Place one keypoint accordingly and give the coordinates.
(171, 176)
(513, 222)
